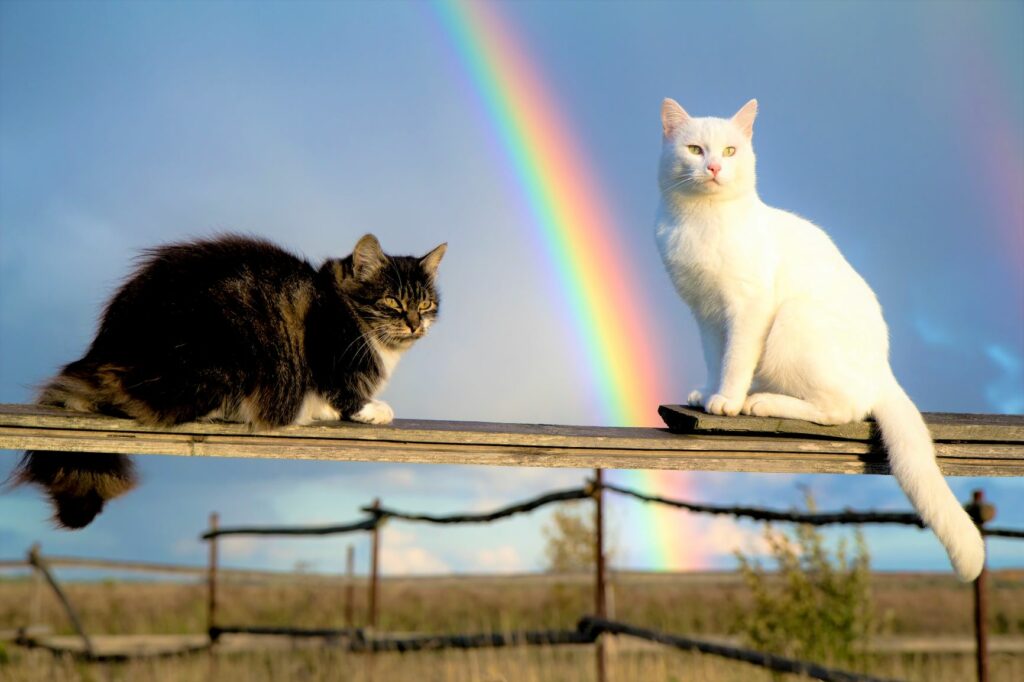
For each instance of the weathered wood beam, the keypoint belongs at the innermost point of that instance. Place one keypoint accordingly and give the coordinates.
(444, 442)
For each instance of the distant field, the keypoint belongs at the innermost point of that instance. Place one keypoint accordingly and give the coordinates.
(695, 603)
(704, 603)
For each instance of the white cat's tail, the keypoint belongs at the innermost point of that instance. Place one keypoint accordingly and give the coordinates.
(912, 460)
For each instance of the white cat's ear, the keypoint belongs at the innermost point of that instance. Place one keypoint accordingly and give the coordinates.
(367, 257)
(744, 118)
(672, 117)
(430, 262)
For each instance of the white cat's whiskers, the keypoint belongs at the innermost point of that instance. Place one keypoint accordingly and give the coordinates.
(687, 179)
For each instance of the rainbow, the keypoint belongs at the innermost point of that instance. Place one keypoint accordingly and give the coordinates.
(574, 222)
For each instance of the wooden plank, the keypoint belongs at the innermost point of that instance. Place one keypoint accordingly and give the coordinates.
(944, 427)
(439, 442)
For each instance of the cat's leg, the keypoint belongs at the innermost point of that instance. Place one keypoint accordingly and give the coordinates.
(784, 407)
(828, 412)
(744, 343)
(711, 342)
(315, 408)
(357, 407)
(374, 412)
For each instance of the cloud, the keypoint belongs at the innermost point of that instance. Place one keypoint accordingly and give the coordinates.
(1005, 393)
(724, 537)
(401, 555)
(501, 559)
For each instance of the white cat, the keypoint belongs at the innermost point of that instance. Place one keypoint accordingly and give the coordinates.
(788, 328)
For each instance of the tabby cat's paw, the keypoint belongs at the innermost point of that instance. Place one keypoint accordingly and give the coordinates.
(720, 404)
(695, 399)
(374, 412)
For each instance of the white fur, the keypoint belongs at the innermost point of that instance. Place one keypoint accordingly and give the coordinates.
(315, 407)
(378, 411)
(374, 412)
(389, 358)
(788, 328)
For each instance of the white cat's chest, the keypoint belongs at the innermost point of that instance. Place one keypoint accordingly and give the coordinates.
(715, 264)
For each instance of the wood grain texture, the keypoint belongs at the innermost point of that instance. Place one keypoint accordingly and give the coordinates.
(538, 445)
(944, 426)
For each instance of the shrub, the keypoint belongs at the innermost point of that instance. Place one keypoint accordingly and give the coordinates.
(816, 605)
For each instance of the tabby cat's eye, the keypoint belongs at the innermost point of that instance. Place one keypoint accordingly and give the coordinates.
(391, 302)
(729, 151)
(695, 149)
(426, 306)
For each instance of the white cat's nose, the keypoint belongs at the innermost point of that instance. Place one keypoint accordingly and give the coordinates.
(714, 167)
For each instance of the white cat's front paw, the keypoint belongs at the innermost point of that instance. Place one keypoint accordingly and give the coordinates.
(720, 404)
(374, 412)
(695, 399)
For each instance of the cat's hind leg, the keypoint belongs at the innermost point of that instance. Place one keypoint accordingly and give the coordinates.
(315, 408)
(788, 407)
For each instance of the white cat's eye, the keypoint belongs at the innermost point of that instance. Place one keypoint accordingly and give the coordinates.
(391, 302)
(729, 151)
(695, 149)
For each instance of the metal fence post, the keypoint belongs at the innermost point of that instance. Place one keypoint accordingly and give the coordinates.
(350, 568)
(599, 582)
(211, 583)
(981, 513)
(374, 567)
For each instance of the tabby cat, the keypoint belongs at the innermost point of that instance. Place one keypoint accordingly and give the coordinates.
(236, 328)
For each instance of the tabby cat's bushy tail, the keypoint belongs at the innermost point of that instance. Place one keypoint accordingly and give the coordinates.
(78, 483)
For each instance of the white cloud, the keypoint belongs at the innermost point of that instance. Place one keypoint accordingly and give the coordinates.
(723, 536)
(502, 559)
(400, 555)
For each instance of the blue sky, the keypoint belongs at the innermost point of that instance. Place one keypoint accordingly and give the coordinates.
(899, 128)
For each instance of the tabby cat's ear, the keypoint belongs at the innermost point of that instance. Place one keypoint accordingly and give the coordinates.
(430, 262)
(744, 118)
(367, 257)
(672, 117)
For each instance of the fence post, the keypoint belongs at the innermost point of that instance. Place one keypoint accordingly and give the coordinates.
(36, 560)
(599, 582)
(374, 565)
(981, 513)
(211, 582)
(350, 569)
(35, 616)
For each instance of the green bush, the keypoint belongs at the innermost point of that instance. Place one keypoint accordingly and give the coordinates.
(816, 605)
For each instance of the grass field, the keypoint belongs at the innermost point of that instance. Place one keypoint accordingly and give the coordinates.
(693, 604)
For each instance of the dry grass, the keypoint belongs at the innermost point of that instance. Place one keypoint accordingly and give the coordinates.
(540, 664)
(687, 603)
(692, 604)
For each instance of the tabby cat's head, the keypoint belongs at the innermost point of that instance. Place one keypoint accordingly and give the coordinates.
(707, 157)
(395, 297)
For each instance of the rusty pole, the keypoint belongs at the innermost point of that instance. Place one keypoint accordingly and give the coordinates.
(981, 513)
(600, 604)
(211, 603)
(374, 567)
(350, 567)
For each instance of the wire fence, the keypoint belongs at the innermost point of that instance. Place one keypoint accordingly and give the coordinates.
(589, 629)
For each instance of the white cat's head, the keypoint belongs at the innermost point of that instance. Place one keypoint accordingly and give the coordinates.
(707, 157)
